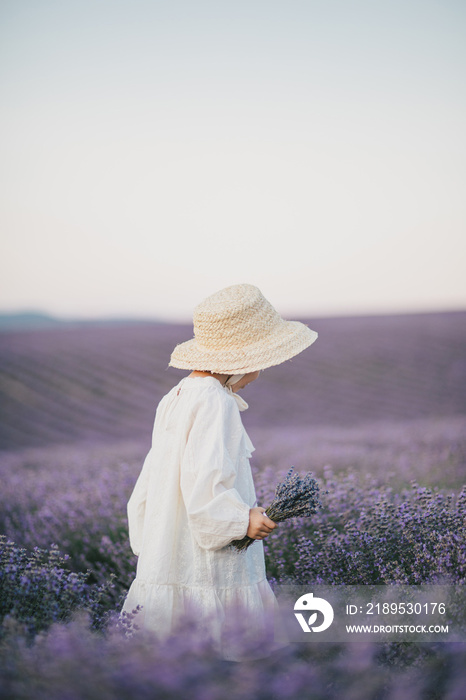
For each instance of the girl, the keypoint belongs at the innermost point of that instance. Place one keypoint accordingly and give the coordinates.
(195, 493)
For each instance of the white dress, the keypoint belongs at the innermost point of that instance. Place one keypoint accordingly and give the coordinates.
(192, 498)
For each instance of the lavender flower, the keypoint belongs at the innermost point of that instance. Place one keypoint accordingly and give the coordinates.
(295, 497)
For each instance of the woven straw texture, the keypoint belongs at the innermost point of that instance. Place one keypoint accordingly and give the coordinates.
(237, 331)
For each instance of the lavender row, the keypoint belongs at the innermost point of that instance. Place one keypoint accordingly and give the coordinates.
(368, 531)
(100, 383)
(72, 662)
(77, 500)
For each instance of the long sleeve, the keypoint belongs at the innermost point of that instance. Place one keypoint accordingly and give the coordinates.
(216, 512)
(136, 508)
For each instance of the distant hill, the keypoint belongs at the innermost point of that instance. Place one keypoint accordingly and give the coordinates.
(33, 320)
(102, 381)
(27, 319)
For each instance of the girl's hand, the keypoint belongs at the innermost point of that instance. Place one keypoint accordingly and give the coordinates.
(259, 525)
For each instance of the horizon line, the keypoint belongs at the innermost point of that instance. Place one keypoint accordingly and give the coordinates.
(38, 314)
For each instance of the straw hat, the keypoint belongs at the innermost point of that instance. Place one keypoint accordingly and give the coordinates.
(237, 331)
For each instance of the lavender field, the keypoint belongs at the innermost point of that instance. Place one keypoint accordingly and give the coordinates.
(376, 409)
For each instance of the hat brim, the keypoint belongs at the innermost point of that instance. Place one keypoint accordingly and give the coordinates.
(287, 340)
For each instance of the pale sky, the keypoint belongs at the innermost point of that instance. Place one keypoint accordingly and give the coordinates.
(154, 152)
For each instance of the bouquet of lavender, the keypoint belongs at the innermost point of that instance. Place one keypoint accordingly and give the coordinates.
(295, 497)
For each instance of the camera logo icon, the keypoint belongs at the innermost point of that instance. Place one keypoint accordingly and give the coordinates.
(308, 603)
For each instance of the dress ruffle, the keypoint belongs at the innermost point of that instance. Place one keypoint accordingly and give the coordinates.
(229, 616)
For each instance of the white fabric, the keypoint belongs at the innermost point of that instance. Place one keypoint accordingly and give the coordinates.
(190, 501)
